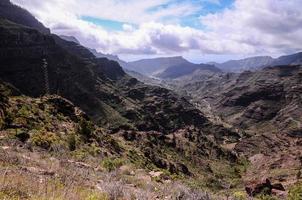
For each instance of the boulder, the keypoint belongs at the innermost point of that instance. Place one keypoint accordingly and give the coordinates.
(263, 187)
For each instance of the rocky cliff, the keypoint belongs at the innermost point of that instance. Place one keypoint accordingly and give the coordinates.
(266, 104)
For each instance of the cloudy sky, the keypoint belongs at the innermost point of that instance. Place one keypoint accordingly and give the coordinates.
(199, 30)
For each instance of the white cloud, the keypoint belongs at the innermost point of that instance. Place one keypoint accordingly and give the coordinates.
(128, 27)
(264, 25)
(248, 27)
(130, 11)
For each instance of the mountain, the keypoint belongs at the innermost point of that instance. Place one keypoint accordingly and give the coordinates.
(251, 63)
(88, 117)
(95, 52)
(292, 59)
(76, 126)
(16, 14)
(151, 67)
(266, 104)
(97, 85)
(69, 38)
(187, 68)
(47, 139)
(168, 67)
(259, 62)
(153, 128)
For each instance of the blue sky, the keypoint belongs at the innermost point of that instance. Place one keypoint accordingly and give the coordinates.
(199, 30)
(192, 20)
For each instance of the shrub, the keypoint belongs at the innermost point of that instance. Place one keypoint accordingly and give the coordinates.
(85, 128)
(179, 191)
(71, 141)
(97, 196)
(295, 192)
(267, 197)
(44, 140)
(240, 195)
(111, 164)
(22, 135)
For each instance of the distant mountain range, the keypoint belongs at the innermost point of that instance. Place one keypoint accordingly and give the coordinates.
(245, 64)
(293, 59)
(259, 62)
(176, 67)
(20, 16)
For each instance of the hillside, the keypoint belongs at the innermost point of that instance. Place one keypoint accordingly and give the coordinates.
(14, 13)
(75, 125)
(99, 91)
(267, 105)
(50, 149)
(122, 123)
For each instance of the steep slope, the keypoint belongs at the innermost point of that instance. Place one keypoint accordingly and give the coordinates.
(264, 96)
(157, 129)
(267, 105)
(97, 85)
(49, 149)
(16, 14)
(250, 98)
(166, 140)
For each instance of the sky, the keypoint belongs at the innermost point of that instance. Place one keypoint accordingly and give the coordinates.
(199, 30)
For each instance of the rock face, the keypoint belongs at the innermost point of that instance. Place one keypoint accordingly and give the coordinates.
(265, 96)
(252, 99)
(267, 105)
(264, 187)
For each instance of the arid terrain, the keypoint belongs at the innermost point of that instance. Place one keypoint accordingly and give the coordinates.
(77, 124)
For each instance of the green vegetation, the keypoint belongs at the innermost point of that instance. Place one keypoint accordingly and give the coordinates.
(266, 197)
(295, 192)
(44, 139)
(240, 195)
(111, 164)
(86, 128)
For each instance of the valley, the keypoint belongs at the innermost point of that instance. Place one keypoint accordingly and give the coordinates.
(76, 123)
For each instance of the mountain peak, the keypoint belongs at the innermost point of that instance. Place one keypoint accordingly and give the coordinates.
(18, 15)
